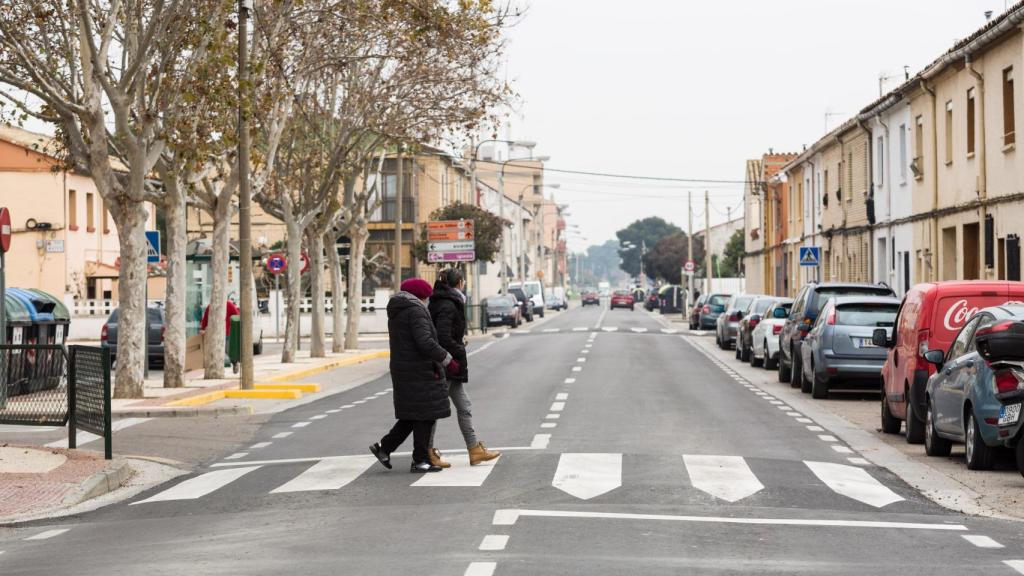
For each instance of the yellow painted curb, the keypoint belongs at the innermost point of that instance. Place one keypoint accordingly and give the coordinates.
(339, 363)
(309, 388)
(264, 394)
(199, 399)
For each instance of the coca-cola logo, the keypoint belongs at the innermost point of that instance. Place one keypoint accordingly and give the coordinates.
(958, 314)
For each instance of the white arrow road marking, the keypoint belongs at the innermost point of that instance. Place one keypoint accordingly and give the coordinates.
(669, 331)
(588, 475)
(854, 483)
(460, 474)
(724, 477)
(328, 474)
(200, 485)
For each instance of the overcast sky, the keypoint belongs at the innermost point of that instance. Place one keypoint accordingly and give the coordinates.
(692, 89)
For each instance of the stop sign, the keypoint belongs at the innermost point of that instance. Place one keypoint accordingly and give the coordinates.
(5, 229)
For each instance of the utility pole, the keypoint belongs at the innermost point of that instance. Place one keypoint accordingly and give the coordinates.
(476, 263)
(504, 244)
(689, 246)
(728, 219)
(521, 245)
(707, 244)
(245, 281)
(399, 200)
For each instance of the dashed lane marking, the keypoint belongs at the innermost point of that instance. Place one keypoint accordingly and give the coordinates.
(582, 329)
(577, 369)
(815, 428)
(334, 411)
(348, 406)
(237, 455)
(548, 424)
(494, 542)
(301, 424)
(982, 541)
(842, 449)
(805, 420)
(610, 328)
(540, 441)
(827, 438)
(318, 417)
(581, 360)
(281, 435)
(557, 406)
(553, 416)
(48, 534)
(259, 445)
(480, 569)
(550, 330)
(570, 380)
(562, 396)
(858, 461)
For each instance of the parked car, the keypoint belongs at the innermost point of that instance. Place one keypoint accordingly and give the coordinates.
(622, 299)
(503, 310)
(555, 299)
(651, 302)
(155, 334)
(706, 316)
(727, 324)
(804, 313)
(840, 349)
(963, 398)
(590, 297)
(534, 290)
(929, 318)
(671, 299)
(525, 304)
(764, 349)
(750, 321)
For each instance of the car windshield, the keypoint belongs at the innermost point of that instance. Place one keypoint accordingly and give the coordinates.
(828, 292)
(719, 300)
(761, 306)
(742, 302)
(532, 288)
(622, 292)
(875, 315)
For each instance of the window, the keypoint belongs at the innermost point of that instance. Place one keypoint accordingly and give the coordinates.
(90, 223)
(949, 132)
(970, 122)
(1008, 122)
(918, 164)
(106, 218)
(72, 210)
(903, 153)
(880, 161)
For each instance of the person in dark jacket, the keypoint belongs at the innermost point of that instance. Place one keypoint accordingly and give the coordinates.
(419, 370)
(448, 311)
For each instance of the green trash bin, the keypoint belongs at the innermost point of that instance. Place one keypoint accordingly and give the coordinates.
(235, 342)
(18, 369)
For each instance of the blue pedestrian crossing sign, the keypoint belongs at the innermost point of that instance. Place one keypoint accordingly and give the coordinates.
(152, 246)
(810, 256)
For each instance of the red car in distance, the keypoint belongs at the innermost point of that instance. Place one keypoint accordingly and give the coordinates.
(622, 299)
(590, 296)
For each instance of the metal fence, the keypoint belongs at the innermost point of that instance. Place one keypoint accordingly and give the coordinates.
(34, 385)
(89, 376)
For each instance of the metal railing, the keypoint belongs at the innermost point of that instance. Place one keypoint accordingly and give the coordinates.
(33, 385)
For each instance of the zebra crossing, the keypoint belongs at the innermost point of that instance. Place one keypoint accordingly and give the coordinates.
(584, 476)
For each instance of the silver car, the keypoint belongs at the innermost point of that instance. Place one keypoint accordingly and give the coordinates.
(838, 349)
(728, 322)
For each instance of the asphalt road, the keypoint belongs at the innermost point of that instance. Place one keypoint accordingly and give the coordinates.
(627, 450)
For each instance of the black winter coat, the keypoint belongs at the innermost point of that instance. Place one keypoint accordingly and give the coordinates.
(448, 312)
(417, 373)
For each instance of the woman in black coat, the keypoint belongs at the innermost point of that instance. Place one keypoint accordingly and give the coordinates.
(448, 311)
(419, 369)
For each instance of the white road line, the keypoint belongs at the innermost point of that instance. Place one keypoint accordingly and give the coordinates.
(827, 438)
(858, 461)
(570, 380)
(669, 330)
(600, 318)
(236, 456)
(610, 328)
(584, 351)
(383, 392)
(48, 534)
(795, 414)
(334, 411)
(639, 330)
(1017, 565)
(359, 402)
(550, 330)
(510, 517)
(480, 569)
(815, 428)
(460, 474)
(200, 485)
(982, 541)
(493, 542)
(841, 449)
(805, 420)
(854, 483)
(368, 398)
(586, 476)
(281, 435)
(348, 406)
(301, 424)
(83, 437)
(328, 474)
(548, 424)
(540, 441)
(783, 407)
(259, 445)
(587, 345)
(553, 416)
(557, 406)
(577, 368)
(775, 402)
(725, 477)
(562, 396)
(580, 329)
(318, 417)
(581, 359)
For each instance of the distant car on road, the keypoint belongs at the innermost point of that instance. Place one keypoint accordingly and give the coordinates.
(590, 297)
(728, 323)
(155, 329)
(651, 301)
(503, 310)
(839, 348)
(750, 321)
(555, 299)
(534, 291)
(765, 336)
(705, 316)
(622, 299)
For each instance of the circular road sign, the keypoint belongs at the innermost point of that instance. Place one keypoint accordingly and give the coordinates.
(690, 266)
(5, 229)
(305, 263)
(277, 263)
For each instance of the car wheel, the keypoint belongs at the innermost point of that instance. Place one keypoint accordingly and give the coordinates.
(915, 424)
(890, 423)
(979, 456)
(934, 445)
(784, 371)
(756, 362)
(819, 385)
(745, 353)
(768, 363)
(796, 375)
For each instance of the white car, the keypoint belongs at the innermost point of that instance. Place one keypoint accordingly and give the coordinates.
(764, 339)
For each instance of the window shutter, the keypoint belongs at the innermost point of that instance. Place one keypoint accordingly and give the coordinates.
(989, 242)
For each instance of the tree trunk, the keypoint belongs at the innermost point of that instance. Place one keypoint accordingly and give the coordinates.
(355, 286)
(131, 347)
(293, 294)
(315, 243)
(337, 293)
(174, 308)
(213, 340)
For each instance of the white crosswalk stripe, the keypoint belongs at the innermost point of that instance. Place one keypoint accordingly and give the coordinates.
(854, 482)
(460, 474)
(328, 474)
(587, 476)
(725, 477)
(200, 485)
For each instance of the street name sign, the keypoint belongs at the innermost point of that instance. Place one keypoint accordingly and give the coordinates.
(810, 256)
(451, 241)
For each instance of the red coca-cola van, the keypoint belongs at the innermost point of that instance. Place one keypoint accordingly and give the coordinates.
(929, 318)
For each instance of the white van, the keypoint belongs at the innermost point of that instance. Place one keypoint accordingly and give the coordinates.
(535, 291)
(555, 298)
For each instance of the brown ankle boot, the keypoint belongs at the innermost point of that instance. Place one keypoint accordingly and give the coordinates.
(435, 458)
(480, 453)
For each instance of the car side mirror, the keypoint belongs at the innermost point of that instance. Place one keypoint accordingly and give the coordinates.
(935, 357)
(880, 338)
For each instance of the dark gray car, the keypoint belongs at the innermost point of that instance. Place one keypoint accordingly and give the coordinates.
(155, 327)
(839, 348)
(728, 323)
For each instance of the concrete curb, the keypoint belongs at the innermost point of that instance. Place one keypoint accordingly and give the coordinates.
(328, 366)
(182, 412)
(100, 483)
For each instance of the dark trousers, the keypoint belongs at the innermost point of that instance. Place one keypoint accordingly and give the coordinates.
(421, 431)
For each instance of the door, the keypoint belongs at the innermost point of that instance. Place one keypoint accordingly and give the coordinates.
(948, 389)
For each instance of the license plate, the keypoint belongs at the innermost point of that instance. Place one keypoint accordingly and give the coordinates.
(864, 343)
(1009, 414)
(496, 318)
